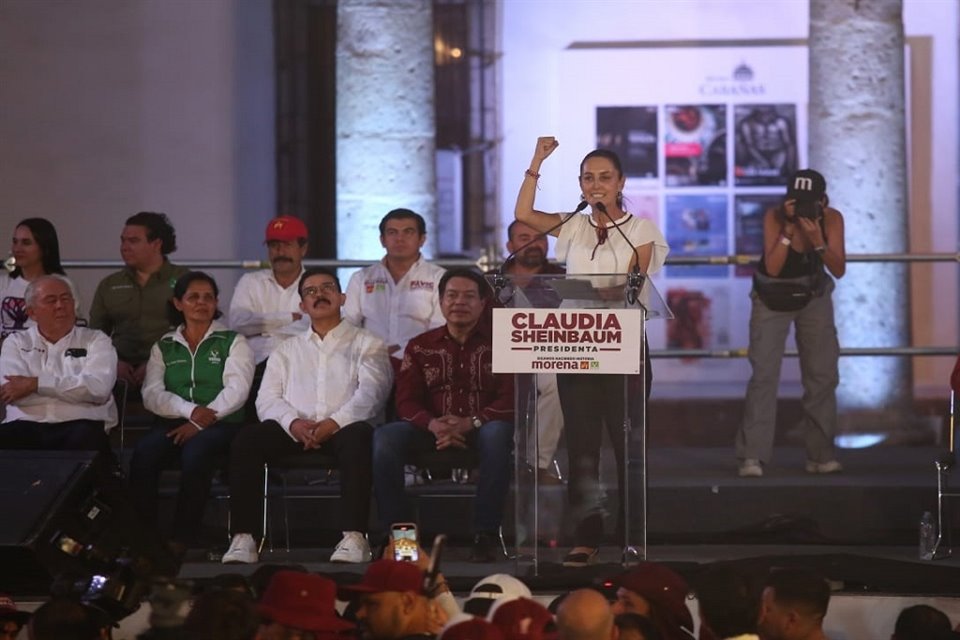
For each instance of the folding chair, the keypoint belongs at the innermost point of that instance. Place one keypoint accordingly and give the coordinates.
(461, 461)
(305, 460)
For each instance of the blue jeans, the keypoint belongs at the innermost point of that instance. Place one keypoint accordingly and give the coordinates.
(199, 457)
(396, 444)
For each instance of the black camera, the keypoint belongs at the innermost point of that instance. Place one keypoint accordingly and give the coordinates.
(810, 209)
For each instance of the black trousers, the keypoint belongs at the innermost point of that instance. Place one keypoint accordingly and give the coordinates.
(265, 443)
(591, 403)
(199, 458)
(79, 435)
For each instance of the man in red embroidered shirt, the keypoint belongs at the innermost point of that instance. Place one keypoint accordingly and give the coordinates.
(449, 398)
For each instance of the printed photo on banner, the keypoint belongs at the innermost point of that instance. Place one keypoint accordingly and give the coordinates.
(697, 226)
(766, 144)
(695, 145)
(701, 318)
(632, 133)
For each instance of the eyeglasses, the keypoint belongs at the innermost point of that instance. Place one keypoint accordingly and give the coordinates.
(313, 292)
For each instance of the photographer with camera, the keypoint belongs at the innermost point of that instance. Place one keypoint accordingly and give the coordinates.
(800, 238)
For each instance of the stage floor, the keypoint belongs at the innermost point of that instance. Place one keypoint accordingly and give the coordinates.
(860, 525)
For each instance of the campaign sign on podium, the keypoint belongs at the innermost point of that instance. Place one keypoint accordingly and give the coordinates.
(532, 340)
(551, 332)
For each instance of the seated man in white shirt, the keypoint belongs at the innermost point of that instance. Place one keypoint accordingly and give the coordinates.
(265, 307)
(321, 390)
(56, 379)
(397, 298)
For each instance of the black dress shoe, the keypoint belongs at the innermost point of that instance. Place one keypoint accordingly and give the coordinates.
(484, 548)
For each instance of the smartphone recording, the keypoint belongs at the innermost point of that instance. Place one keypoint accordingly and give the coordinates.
(406, 546)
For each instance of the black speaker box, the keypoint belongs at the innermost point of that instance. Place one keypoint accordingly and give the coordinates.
(64, 515)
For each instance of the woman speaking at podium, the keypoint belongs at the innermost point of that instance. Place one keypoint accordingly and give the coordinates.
(608, 240)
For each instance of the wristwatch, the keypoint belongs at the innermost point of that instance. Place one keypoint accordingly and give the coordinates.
(476, 422)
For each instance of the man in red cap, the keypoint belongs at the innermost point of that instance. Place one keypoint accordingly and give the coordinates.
(657, 592)
(300, 602)
(11, 618)
(265, 307)
(470, 628)
(523, 619)
(392, 603)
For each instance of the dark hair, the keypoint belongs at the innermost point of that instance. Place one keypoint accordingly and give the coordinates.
(404, 214)
(63, 618)
(729, 600)
(800, 588)
(637, 622)
(221, 615)
(183, 283)
(469, 274)
(318, 271)
(158, 226)
(606, 154)
(919, 622)
(511, 227)
(45, 235)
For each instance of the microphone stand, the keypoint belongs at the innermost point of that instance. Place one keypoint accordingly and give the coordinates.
(634, 282)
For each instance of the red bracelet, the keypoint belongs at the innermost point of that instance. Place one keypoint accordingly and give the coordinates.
(535, 176)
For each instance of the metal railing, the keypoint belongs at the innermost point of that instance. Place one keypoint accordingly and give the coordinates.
(488, 261)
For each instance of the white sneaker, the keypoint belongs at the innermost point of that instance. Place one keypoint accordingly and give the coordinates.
(243, 550)
(354, 548)
(831, 466)
(750, 468)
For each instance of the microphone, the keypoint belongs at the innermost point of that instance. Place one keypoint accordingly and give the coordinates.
(634, 278)
(498, 280)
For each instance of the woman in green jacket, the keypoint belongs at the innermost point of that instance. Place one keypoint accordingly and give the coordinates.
(197, 381)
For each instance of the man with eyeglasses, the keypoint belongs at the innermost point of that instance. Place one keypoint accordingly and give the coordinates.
(449, 398)
(321, 390)
(56, 379)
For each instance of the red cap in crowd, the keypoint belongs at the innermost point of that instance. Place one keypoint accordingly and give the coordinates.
(666, 592)
(386, 575)
(471, 629)
(303, 601)
(521, 619)
(286, 228)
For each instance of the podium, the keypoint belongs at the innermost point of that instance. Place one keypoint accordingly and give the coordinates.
(575, 326)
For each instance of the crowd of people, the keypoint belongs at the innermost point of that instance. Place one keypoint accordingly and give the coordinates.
(398, 600)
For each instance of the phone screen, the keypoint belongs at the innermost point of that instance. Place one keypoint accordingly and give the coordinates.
(405, 543)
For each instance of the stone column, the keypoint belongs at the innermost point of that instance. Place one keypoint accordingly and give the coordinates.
(385, 119)
(858, 141)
